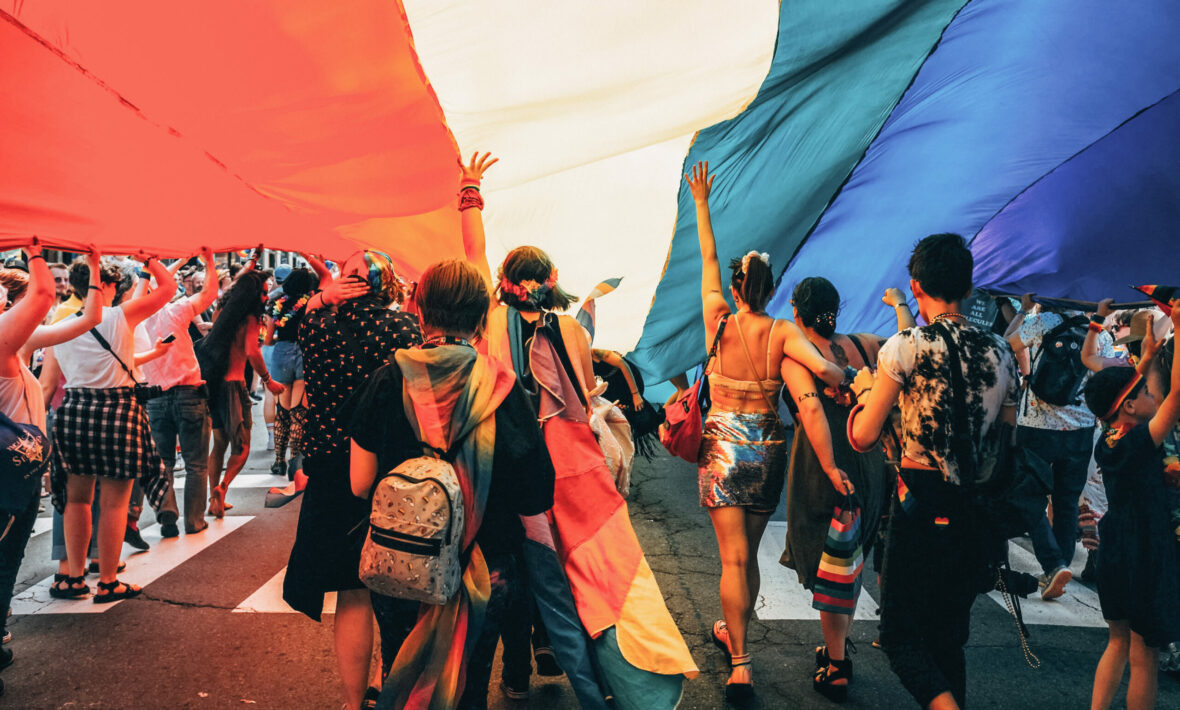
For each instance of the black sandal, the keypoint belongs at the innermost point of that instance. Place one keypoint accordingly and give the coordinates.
(71, 590)
(92, 568)
(739, 694)
(129, 591)
(824, 681)
(822, 660)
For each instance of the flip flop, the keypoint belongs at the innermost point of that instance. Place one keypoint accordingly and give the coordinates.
(719, 626)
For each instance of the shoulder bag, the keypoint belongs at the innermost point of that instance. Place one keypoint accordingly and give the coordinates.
(684, 419)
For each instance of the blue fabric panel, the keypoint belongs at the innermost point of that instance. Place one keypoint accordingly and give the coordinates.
(1014, 89)
(839, 68)
(1107, 218)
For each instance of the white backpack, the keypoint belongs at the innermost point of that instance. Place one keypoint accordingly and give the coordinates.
(415, 539)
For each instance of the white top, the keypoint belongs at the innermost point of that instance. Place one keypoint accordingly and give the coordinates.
(86, 364)
(1042, 415)
(21, 399)
(917, 359)
(179, 366)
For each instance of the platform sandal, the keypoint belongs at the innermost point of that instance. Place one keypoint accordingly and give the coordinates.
(739, 694)
(129, 591)
(70, 590)
(825, 680)
(822, 660)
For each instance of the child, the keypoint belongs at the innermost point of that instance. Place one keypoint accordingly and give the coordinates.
(1139, 557)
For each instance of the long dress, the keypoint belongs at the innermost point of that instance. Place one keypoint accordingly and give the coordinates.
(811, 498)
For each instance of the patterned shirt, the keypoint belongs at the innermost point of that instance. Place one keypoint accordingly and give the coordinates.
(341, 347)
(1042, 415)
(916, 358)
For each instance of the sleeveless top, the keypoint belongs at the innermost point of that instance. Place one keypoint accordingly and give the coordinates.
(746, 390)
(21, 398)
(86, 364)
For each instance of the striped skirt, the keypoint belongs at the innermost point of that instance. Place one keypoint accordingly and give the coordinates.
(105, 432)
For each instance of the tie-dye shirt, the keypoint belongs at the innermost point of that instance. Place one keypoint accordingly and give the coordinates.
(917, 359)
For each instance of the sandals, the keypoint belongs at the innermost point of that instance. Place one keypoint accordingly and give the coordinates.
(822, 660)
(739, 694)
(825, 678)
(92, 568)
(112, 595)
(715, 635)
(66, 587)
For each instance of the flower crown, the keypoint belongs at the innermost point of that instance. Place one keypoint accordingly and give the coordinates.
(529, 291)
(761, 256)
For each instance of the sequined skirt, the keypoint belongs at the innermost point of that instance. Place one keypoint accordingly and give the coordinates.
(743, 460)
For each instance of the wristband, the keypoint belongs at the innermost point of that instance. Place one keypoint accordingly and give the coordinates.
(36, 256)
(469, 197)
(903, 305)
(1094, 327)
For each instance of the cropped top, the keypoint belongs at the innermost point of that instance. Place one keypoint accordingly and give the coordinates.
(743, 390)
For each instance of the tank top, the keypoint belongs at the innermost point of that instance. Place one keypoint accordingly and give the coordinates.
(751, 390)
(86, 364)
(21, 398)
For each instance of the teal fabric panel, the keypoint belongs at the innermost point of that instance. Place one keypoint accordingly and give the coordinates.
(839, 68)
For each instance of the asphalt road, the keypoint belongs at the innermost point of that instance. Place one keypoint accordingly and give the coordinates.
(210, 631)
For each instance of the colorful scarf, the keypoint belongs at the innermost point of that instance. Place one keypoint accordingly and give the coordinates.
(450, 393)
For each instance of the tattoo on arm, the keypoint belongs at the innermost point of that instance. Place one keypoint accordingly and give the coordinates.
(805, 395)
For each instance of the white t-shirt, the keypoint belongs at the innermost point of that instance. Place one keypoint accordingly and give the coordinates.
(86, 364)
(21, 399)
(1042, 415)
(179, 366)
(916, 358)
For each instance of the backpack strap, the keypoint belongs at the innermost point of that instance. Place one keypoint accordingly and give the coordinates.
(860, 348)
(962, 445)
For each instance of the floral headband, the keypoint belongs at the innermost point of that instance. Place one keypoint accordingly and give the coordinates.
(529, 291)
(761, 256)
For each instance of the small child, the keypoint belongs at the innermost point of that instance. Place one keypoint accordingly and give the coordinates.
(1139, 556)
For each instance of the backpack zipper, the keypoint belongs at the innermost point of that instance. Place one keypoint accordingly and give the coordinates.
(437, 482)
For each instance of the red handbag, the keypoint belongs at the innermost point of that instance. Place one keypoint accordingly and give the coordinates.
(684, 419)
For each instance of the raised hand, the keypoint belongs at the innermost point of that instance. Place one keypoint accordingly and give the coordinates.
(33, 249)
(94, 261)
(474, 170)
(893, 297)
(700, 183)
(1104, 307)
(345, 289)
(1027, 302)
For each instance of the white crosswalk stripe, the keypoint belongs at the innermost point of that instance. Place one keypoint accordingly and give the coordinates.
(269, 599)
(783, 598)
(165, 556)
(245, 480)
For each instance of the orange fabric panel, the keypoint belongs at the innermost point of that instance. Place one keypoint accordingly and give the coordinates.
(647, 634)
(602, 570)
(174, 125)
(414, 242)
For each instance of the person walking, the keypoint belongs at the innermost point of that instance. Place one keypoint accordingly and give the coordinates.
(938, 558)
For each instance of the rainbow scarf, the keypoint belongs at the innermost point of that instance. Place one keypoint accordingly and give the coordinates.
(450, 393)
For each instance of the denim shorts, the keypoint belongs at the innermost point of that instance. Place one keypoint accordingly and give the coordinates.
(285, 362)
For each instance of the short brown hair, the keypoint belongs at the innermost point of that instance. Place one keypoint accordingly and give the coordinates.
(453, 296)
(15, 281)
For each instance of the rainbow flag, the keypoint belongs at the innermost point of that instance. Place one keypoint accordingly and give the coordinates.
(1161, 295)
(587, 314)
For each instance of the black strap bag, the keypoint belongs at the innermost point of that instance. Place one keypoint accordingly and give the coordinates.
(1058, 372)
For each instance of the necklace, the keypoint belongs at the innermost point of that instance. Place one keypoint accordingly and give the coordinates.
(949, 315)
(439, 340)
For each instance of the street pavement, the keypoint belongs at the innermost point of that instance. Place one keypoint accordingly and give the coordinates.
(211, 630)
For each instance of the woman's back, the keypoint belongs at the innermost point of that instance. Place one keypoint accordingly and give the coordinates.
(748, 384)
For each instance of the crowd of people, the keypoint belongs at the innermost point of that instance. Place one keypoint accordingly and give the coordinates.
(483, 381)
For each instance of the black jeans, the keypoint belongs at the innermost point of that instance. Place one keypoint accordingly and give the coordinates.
(521, 632)
(1068, 452)
(12, 548)
(935, 567)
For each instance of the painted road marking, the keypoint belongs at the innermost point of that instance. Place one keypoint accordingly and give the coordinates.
(165, 556)
(245, 480)
(1077, 607)
(781, 596)
(269, 599)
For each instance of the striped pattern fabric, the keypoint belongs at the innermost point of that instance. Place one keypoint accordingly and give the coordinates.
(838, 583)
(448, 392)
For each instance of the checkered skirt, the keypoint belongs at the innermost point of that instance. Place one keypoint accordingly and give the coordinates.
(105, 432)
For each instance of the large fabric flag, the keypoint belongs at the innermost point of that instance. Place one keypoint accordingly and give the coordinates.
(840, 133)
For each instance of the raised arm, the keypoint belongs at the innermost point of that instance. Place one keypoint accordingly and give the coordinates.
(895, 299)
(17, 324)
(1027, 303)
(616, 361)
(1169, 410)
(471, 212)
(208, 293)
(801, 386)
(319, 267)
(69, 328)
(138, 309)
(700, 184)
(1091, 358)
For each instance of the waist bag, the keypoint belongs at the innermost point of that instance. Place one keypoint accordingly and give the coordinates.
(414, 547)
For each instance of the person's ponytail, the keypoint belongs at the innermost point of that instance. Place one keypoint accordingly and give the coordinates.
(757, 284)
